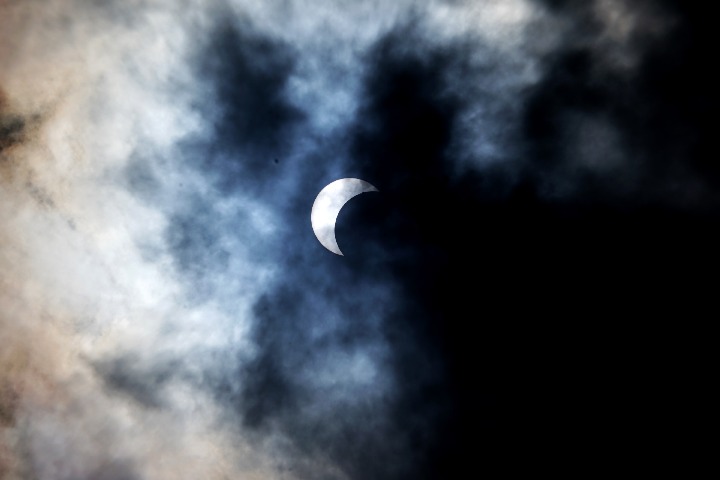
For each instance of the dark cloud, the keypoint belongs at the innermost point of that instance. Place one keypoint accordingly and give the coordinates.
(253, 124)
(327, 308)
(640, 133)
(321, 374)
(491, 318)
(253, 118)
(440, 245)
(136, 379)
(13, 127)
(516, 335)
(16, 128)
(11, 131)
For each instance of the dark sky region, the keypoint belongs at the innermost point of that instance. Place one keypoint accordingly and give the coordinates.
(530, 293)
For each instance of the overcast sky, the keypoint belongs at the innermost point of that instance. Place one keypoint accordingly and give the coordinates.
(516, 297)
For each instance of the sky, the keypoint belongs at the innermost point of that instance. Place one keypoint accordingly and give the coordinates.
(528, 293)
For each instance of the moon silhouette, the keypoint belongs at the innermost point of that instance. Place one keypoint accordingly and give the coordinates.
(327, 206)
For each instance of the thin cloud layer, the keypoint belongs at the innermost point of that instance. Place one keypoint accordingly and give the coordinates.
(167, 312)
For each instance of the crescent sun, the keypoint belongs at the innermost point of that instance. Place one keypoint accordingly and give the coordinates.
(327, 206)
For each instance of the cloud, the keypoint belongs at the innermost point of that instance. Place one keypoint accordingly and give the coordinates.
(168, 313)
(595, 117)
